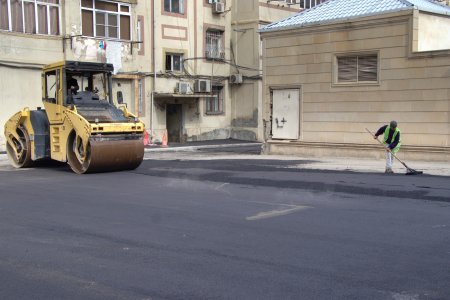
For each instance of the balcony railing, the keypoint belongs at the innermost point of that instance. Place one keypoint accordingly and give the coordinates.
(215, 54)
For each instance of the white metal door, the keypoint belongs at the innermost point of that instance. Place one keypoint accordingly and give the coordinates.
(286, 114)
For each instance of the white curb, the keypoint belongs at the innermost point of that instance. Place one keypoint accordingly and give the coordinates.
(192, 148)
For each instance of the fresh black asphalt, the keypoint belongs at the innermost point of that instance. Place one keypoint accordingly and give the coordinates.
(223, 229)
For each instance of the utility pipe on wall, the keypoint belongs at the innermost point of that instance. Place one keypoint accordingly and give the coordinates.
(154, 66)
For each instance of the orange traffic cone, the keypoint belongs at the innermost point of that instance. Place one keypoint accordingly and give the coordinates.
(146, 138)
(164, 139)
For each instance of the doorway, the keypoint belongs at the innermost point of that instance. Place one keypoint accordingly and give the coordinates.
(174, 122)
(286, 114)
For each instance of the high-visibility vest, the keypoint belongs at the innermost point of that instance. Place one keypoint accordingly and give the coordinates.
(386, 136)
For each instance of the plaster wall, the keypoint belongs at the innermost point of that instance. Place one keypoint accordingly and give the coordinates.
(247, 18)
(20, 89)
(185, 33)
(433, 32)
(273, 11)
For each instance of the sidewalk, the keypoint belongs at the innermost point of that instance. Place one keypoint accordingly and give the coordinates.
(191, 146)
(311, 163)
(220, 149)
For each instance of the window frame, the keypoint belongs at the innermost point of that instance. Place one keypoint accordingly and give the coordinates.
(356, 55)
(141, 97)
(218, 90)
(118, 14)
(220, 48)
(172, 54)
(36, 4)
(170, 11)
(139, 27)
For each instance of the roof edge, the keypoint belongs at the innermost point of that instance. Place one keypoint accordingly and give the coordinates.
(334, 21)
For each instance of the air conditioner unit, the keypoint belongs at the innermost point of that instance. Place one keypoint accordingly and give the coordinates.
(291, 2)
(183, 88)
(236, 79)
(218, 8)
(202, 86)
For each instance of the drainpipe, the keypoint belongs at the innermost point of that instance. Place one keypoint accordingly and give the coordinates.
(154, 66)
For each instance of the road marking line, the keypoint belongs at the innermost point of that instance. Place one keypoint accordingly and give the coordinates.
(221, 186)
(276, 213)
(219, 189)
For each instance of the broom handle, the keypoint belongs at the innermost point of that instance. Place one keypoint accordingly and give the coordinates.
(383, 145)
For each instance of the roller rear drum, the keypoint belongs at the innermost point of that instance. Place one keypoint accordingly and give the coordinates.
(104, 155)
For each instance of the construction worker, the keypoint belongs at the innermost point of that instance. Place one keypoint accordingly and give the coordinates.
(391, 138)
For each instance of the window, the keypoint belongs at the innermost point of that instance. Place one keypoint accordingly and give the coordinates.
(174, 6)
(30, 16)
(141, 100)
(106, 19)
(51, 86)
(174, 62)
(357, 68)
(214, 45)
(139, 32)
(305, 4)
(215, 105)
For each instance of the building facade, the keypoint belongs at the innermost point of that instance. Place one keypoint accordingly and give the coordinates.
(190, 69)
(34, 33)
(208, 82)
(331, 72)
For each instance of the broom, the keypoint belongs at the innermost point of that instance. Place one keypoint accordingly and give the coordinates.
(409, 171)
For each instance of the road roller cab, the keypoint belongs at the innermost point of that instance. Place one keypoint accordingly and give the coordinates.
(80, 124)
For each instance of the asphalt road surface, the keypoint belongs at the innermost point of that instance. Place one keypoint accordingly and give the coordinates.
(203, 226)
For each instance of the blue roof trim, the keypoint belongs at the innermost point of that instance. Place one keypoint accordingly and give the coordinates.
(338, 10)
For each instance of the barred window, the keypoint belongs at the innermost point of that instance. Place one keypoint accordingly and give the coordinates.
(106, 19)
(30, 16)
(215, 105)
(214, 45)
(357, 68)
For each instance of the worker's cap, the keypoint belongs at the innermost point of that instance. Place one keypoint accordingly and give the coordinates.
(393, 124)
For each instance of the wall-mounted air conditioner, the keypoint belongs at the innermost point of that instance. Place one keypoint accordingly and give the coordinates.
(236, 79)
(183, 88)
(218, 7)
(202, 86)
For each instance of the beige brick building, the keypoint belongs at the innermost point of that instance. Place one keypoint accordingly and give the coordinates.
(333, 71)
(173, 58)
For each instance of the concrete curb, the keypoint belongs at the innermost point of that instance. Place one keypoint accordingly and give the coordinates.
(193, 148)
(3, 155)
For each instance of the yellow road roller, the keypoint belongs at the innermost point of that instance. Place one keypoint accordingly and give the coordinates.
(80, 125)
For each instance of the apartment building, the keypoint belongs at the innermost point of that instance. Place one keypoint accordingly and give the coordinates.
(190, 69)
(208, 79)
